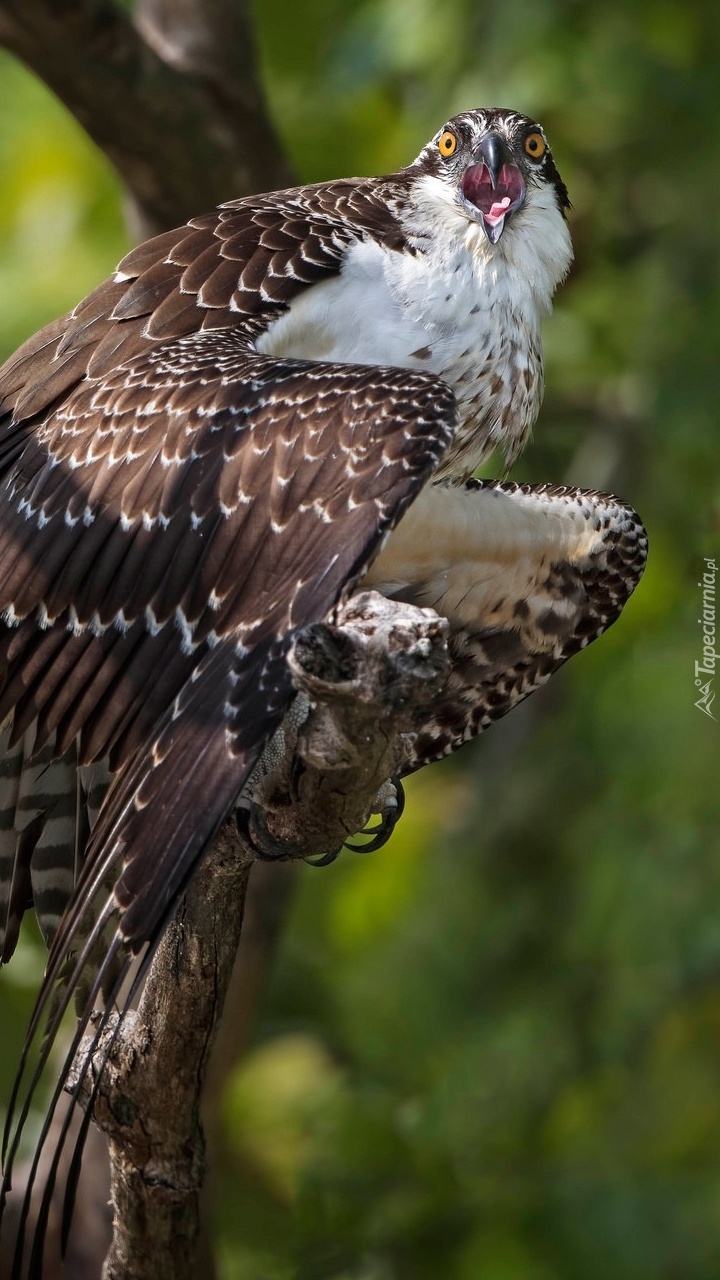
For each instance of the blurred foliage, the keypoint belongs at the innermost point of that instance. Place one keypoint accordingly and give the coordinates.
(492, 1051)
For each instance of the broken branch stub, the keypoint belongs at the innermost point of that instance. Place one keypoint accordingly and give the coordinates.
(364, 682)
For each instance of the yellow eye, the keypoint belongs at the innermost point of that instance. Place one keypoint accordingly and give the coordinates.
(535, 145)
(447, 143)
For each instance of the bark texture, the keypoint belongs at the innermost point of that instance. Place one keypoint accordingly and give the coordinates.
(149, 1103)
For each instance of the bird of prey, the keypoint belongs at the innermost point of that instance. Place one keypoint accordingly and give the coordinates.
(255, 413)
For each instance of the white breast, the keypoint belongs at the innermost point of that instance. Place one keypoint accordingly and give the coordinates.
(385, 308)
(456, 307)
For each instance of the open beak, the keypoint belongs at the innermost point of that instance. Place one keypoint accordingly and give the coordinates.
(493, 185)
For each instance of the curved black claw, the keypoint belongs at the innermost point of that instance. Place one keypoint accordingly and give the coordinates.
(270, 850)
(381, 831)
(325, 859)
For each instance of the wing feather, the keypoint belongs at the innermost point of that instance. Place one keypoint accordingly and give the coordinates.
(150, 577)
(160, 641)
(240, 263)
(527, 575)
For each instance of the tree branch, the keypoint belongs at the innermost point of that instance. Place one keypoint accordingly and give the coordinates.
(370, 680)
(172, 101)
(363, 683)
(149, 1102)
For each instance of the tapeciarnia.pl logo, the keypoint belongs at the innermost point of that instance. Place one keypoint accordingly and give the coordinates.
(710, 657)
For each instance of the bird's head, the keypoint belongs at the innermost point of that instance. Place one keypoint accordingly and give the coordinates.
(496, 166)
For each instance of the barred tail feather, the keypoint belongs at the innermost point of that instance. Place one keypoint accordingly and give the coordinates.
(40, 834)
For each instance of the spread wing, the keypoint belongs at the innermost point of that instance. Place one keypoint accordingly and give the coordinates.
(154, 588)
(527, 575)
(114, 422)
(161, 538)
(173, 507)
(238, 267)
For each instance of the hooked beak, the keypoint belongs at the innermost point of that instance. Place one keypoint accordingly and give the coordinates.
(493, 186)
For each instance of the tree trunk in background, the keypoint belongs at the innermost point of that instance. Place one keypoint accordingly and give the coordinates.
(173, 100)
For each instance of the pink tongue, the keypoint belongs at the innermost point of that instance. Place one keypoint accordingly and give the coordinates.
(497, 210)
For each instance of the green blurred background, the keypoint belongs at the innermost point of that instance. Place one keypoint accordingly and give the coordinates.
(492, 1050)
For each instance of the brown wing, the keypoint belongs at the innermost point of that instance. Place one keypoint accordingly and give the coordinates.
(173, 507)
(225, 275)
(161, 537)
(527, 575)
(237, 267)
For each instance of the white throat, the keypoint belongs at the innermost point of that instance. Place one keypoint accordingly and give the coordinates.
(531, 258)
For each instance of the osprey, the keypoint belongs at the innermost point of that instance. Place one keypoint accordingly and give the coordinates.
(216, 446)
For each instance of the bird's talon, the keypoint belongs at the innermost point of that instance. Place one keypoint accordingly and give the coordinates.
(391, 802)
